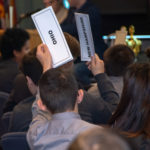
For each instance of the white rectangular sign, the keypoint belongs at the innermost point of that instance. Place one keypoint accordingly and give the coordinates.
(52, 35)
(85, 36)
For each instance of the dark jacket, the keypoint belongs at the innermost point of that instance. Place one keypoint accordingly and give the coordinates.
(94, 110)
(8, 71)
(21, 116)
(107, 91)
(20, 92)
(69, 25)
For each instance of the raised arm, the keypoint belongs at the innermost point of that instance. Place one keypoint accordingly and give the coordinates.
(44, 56)
(105, 86)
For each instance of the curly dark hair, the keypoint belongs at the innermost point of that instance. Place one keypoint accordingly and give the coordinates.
(12, 39)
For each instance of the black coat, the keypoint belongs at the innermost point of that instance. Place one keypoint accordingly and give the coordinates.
(8, 72)
(69, 25)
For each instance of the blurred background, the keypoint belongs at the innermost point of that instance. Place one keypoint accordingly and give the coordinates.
(115, 13)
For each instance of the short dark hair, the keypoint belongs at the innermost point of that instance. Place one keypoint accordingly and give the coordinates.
(58, 90)
(12, 39)
(30, 66)
(133, 112)
(117, 58)
(101, 139)
(73, 45)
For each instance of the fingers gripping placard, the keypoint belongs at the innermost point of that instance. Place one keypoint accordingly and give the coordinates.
(52, 35)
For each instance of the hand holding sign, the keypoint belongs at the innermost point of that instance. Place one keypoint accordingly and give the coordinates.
(44, 56)
(96, 65)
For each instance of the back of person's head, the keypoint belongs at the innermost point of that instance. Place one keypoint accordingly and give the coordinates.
(58, 90)
(12, 39)
(74, 47)
(117, 58)
(31, 66)
(133, 111)
(100, 139)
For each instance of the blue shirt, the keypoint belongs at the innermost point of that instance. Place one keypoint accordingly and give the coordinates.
(55, 132)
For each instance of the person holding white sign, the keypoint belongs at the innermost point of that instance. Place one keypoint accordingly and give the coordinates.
(69, 25)
(57, 130)
(86, 7)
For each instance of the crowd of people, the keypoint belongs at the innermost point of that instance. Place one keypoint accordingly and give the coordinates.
(103, 104)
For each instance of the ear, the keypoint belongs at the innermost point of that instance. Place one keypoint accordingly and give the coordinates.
(31, 86)
(29, 82)
(80, 96)
(15, 53)
(41, 105)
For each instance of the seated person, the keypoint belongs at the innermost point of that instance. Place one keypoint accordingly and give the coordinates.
(93, 110)
(19, 92)
(101, 139)
(59, 9)
(14, 45)
(21, 114)
(116, 59)
(106, 89)
(133, 112)
(60, 96)
(69, 25)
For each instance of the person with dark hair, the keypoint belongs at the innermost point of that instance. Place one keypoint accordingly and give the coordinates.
(13, 46)
(20, 90)
(59, 96)
(101, 139)
(133, 112)
(21, 114)
(32, 70)
(116, 59)
(93, 110)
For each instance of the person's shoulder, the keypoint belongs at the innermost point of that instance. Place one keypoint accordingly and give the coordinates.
(86, 125)
(24, 105)
(9, 66)
(90, 99)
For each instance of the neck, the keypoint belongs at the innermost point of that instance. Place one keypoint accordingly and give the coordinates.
(80, 3)
(74, 110)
